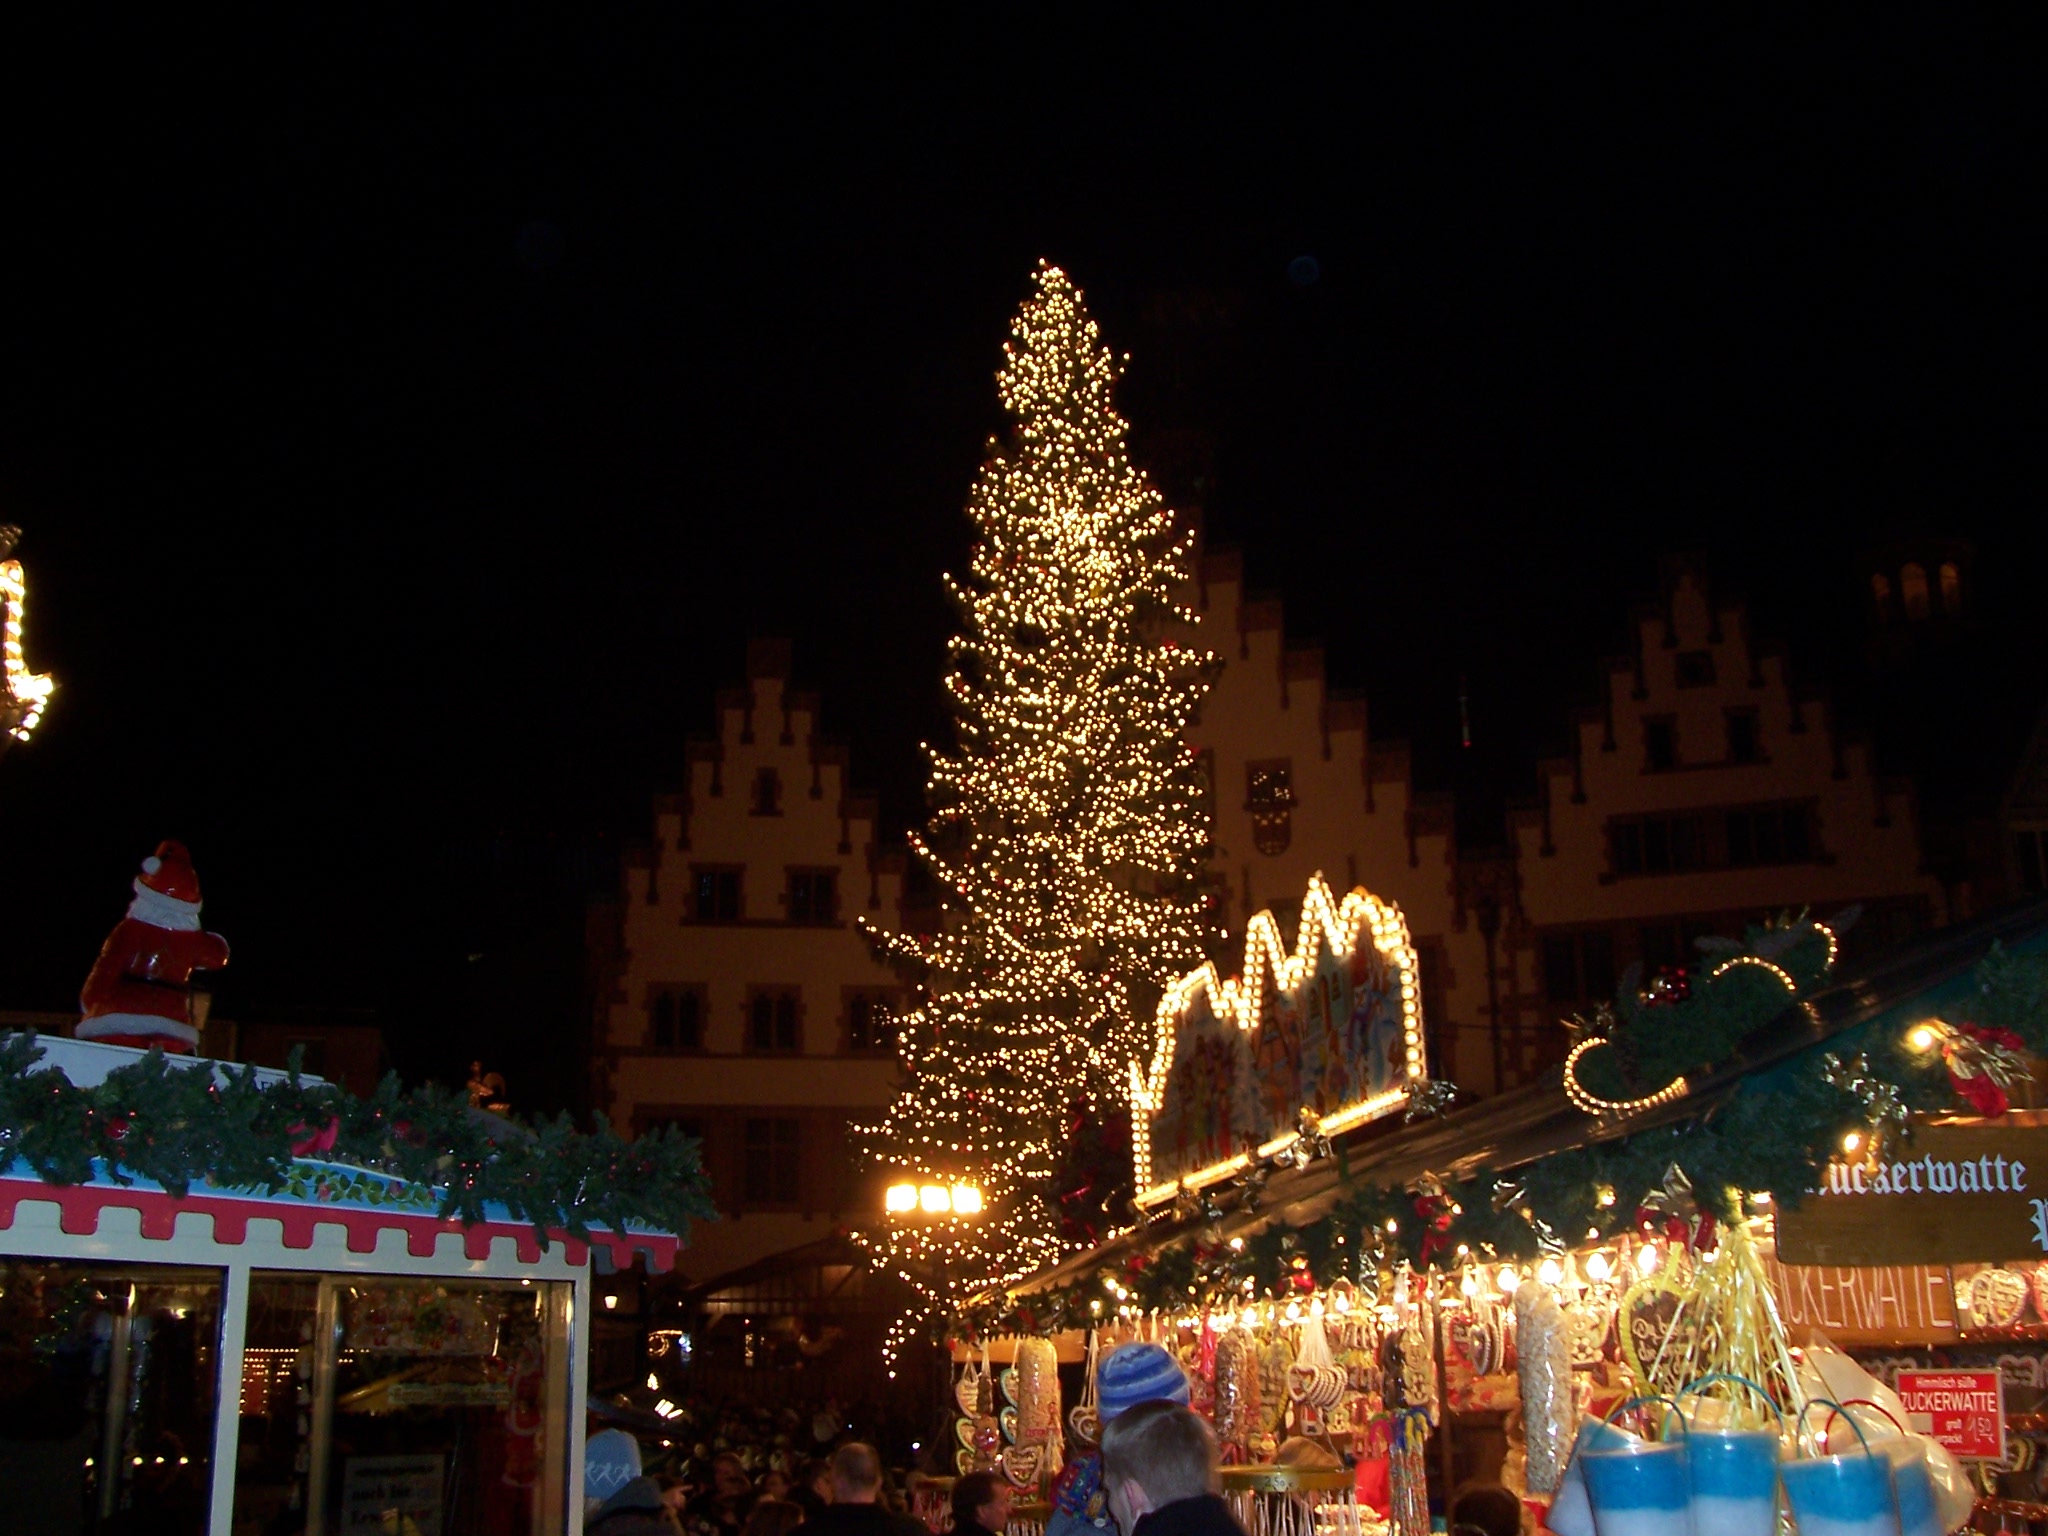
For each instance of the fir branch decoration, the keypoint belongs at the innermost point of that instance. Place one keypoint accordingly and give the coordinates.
(1776, 1131)
(180, 1125)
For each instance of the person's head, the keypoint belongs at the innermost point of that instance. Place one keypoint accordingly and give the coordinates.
(611, 1459)
(1153, 1455)
(856, 1474)
(817, 1476)
(1132, 1374)
(1487, 1509)
(774, 1517)
(774, 1484)
(983, 1498)
(729, 1478)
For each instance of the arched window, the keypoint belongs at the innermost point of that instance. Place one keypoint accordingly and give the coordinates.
(1913, 590)
(1881, 592)
(1951, 588)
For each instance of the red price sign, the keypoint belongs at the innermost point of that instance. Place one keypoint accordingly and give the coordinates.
(1963, 1410)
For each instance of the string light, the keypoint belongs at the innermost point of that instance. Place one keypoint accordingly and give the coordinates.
(1270, 968)
(1769, 965)
(1592, 1104)
(23, 694)
(1068, 826)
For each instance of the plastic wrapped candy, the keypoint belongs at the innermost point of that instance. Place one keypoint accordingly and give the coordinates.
(1545, 1369)
(1237, 1389)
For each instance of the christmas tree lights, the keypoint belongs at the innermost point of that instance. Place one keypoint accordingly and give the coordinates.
(1067, 826)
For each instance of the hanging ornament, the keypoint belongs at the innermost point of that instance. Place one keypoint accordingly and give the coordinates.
(1428, 1098)
(1984, 1064)
(1670, 985)
(1252, 1186)
(1882, 1105)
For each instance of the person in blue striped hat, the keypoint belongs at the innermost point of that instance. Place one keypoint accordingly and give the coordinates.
(1128, 1375)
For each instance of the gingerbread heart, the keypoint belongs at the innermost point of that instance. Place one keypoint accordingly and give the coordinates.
(964, 1460)
(2041, 1292)
(1086, 1424)
(963, 1430)
(1650, 1324)
(1008, 1419)
(1997, 1298)
(967, 1392)
(1020, 1463)
(1008, 1382)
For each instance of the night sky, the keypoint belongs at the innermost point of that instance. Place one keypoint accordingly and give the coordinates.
(411, 417)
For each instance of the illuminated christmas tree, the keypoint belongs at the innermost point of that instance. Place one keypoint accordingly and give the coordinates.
(1068, 825)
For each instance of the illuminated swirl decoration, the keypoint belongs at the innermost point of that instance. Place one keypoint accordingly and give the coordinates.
(23, 694)
(1677, 1088)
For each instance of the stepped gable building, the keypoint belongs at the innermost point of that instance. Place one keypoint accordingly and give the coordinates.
(1298, 785)
(742, 1002)
(1705, 793)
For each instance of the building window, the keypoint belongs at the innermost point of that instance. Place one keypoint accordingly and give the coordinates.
(718, 895)
(2031, 856)
(1695, 669)
(773, 1162)
(1913, 588)
(1578, 967)
(767, 799)
(675, 1018)
(870, 1022)
(813, 895)
(1660, 744)
(1269, 797)
(1743, 746)
(1685, 841)
(772, 1027)
(1881, 594)
(1951, 588)
(1769, 834)
(1671, 946)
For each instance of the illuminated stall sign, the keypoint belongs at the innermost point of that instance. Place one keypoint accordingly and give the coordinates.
(1333, 1029)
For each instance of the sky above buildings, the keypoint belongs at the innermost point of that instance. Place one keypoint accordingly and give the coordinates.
(412, 417)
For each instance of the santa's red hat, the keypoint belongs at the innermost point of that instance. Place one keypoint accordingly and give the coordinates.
(169, 872)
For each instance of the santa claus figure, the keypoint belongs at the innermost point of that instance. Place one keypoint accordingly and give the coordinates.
(140, 989)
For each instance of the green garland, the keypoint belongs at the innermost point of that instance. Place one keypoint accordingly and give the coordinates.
(1776, 1131)
(179, 1124)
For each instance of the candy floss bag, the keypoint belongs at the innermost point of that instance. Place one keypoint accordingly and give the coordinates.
(1826, 1372)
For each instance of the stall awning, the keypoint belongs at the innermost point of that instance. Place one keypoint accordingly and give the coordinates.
(346, 1203)
(1536, 1121)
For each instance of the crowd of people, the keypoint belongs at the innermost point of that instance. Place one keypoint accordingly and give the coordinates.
(848, 1494)
(1157, 1474)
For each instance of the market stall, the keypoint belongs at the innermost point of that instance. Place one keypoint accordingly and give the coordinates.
(239, 1301)
(241, 1353)
(1485, 1279)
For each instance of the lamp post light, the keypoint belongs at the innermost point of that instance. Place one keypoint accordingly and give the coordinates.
(932, 1200)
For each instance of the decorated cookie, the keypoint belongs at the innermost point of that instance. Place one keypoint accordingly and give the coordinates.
(1997, 1298)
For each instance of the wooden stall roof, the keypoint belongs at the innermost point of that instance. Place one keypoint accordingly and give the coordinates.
(1536, 1121)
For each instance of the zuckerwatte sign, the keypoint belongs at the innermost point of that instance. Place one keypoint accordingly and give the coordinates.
(1950, 1193)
